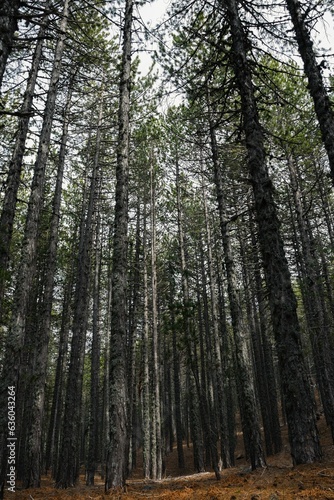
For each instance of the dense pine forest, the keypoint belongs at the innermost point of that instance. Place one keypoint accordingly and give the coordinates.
(166, 238)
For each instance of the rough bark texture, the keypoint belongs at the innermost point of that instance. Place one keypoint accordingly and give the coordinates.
(15, 166)
(68, 468)
(315, 311)
(247, 399)
(156, 450)
(95, 368)
(146, 412)
(27, 270)
(32, 473)
(322, 104)
(117, 460)
(9, 11)
(299, 403)
(53, 440)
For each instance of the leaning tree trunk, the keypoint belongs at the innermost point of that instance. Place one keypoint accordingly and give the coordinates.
(15, 165)
(27, 270)
(299, 402)
(117, 459)
(9, 12)
(316, 86)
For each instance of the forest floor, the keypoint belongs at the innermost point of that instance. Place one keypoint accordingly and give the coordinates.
(280, 480)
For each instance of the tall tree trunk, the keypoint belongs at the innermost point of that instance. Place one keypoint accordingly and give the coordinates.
(15, 164)
(195, 401)
(156, 413)
(316, 86)
(217, 365)
(53, 440)
(106, 392)
(117, 459)
(176, 375)
(146, 412)
(33, 462)
(299, 403)
(27, 270)
(131, 361)
(314, 309)
(68, 469)
(268, 359)
(247, 398)
(93, 438)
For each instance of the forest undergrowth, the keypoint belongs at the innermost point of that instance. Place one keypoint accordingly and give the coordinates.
(280, 480)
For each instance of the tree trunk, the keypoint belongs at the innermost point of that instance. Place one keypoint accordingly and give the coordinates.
(15, 165)
(247, 399)
(299, 403)
(156, 411)
(33, 462)
(9, 13)
(117, 459)
(217, 365)
(176, 377)
(314, 308)
(68, 469)
(52, 447)
(196, 404)
(146, 412)
(93, 438)
(316, 86)
(27, 270)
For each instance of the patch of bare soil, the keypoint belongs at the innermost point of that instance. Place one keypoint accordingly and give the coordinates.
(280, 480)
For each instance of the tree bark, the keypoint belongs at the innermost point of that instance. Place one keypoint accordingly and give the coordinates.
(299, 403)
(156, 411)
(32, 473)
(247, 399)
(9, 13)
(93, 438)
(27, 270)
(15, 165)
(68, 469)
(117, 460)
(322, 104)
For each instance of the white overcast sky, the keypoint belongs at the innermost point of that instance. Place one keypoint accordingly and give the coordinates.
(153, 13)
